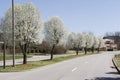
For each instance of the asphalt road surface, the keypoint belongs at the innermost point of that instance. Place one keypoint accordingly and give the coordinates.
(92, 67)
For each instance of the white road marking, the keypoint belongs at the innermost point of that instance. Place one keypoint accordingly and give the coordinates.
(74, 69)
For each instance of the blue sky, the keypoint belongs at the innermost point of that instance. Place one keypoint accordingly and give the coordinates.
(97, 16)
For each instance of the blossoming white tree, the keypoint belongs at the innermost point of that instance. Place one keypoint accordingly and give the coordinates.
(28, 26)
(101, 43)
(88, 41)
(95, 43)
(79, 42)
(55, 32)
(71, 40)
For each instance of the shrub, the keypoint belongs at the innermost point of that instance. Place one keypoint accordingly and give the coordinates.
(59, 50)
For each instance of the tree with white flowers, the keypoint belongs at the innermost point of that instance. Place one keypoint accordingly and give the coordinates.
(55, 32)
(1, 29)
(71, 40)
(95, 43)
(100, 44)
(28, 26)
(79, 42)
(88, 41)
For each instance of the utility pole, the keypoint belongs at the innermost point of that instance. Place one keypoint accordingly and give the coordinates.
(13, 34)
(4, 54)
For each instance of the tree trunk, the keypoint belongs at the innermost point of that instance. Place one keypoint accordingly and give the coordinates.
(92, 49)
(51, 58)
(24, 51)
(77, 51)
(98, 50)
(85, 49)
(24, 58)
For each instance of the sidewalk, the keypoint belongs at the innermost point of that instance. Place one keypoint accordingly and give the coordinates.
(34, 58)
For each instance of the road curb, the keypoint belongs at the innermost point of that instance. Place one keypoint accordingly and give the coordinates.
(116, 66)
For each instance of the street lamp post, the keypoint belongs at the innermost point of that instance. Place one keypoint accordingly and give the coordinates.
(13, 34)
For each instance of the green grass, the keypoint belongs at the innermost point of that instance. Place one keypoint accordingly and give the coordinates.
(71, 52)
(32, 65)
(9, 57)
(117, 60)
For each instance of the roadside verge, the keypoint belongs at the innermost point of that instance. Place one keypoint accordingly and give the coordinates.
(116, 62)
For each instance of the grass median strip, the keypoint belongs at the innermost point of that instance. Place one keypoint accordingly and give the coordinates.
(32, 65)
(117, 60)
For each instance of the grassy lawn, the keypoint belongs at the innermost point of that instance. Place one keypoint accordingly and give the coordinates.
(71, 52)
(9, 57)
(36, 64)
(117, 60)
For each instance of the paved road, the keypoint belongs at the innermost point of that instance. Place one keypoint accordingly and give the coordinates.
(93, 67)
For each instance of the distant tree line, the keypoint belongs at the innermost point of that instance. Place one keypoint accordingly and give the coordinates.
(84, 41)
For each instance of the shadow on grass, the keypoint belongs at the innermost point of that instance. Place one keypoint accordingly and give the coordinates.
(47, 60)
